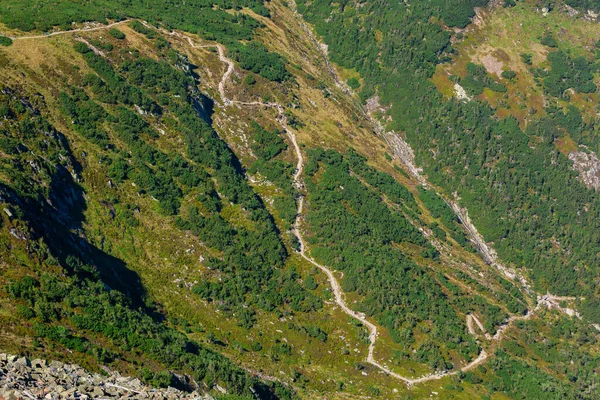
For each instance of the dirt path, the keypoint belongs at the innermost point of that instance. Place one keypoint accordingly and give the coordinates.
(298, 183)
(334, 283)
(47, 35)
(547, 300)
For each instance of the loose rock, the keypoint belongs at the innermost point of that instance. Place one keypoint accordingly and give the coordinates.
(21, 378)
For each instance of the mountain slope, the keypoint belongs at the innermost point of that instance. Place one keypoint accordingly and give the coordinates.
(227, 210)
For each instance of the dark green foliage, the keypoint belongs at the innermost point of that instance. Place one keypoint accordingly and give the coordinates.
(440, 209)
(477, 79)
(116, 85)
(255, 57)
(5, 41)
(266, 144)
(162, 379)
(250, 79)
(139, 27)
(345, 219)
(195, 16)
(81, 47)
(393, 190)
(252, 258)
(567, 73)
(309, 283)
(457, 13)
(584, 5)
(5, 111)
(549, 41)
(520, 192)
(256, 346)
(281, 349)
(437, 231)
(117, 34)
(91, 307)
(86, 117)
(508, 74)
(75, 294)
(101, 44)
(26, 288)
(534, 383)
(590, 309)
(312, 331)
(25, 312)
(316, 332)
(353, 83)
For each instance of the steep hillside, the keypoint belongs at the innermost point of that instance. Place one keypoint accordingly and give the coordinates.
(196, 195)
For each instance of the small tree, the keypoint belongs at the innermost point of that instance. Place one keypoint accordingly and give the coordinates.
(508, 74)
(117, 34)
(250, 80)
(353, 83)
(310, 284)
(5, 41)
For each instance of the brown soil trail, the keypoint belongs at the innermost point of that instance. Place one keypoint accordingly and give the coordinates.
(90, 29)
(548, 300)
(334, 283)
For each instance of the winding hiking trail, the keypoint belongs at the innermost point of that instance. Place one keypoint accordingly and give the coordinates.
(297, 177)
(90, 29)
(334, 283)
(548, 300)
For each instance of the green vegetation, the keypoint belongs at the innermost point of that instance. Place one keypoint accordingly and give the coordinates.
(256, 58)
(457, 13)
(508, 74)
(353, 83)
(267, 146)
(139, 158)
(5, 41)
(250, 79)
(518, 188)
(573, 360)
(549, 41)
(117, 34)
(590, 310)
(196, 16)
(115, 111)
(346, 218)
(583, 5)
(440, 209)
(567, 73)
(75, 294)
(477, 79)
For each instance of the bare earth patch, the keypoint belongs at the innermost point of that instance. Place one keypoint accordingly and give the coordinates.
(373, 105)
(492, 64)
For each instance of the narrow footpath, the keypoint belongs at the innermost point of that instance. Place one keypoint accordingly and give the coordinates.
(547, 300)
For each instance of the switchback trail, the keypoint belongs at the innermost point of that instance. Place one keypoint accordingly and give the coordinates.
(547, 300)
(334, 283)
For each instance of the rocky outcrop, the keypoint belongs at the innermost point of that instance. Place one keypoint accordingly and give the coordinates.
(21, 378)
(588, 166)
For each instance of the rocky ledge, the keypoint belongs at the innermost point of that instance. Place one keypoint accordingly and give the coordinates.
(21, 378)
